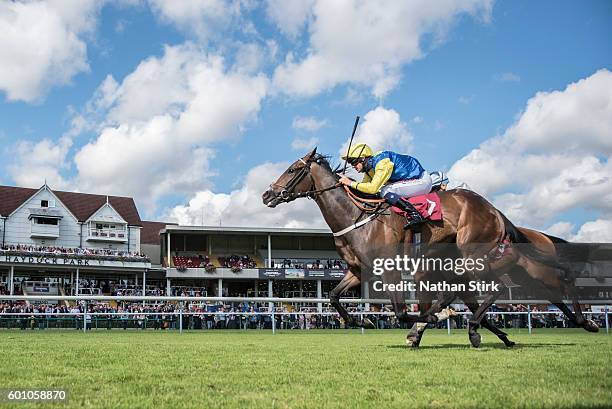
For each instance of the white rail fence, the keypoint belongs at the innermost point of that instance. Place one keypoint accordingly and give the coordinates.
(83, 319)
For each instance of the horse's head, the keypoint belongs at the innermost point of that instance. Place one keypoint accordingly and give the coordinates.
(293, 183)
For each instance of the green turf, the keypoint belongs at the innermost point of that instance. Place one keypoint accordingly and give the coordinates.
(303, 369)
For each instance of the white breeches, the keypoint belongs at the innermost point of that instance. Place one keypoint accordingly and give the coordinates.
(409, 188)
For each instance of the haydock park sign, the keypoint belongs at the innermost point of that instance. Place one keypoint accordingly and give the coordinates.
(70, 261)
(61, 261)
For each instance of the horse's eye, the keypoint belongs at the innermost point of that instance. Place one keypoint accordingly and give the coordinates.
(290, 170)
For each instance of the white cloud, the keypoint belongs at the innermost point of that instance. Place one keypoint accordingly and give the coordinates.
(597, 231)
(308, 123)
(561, 229)
(555, 157)
(299, 144)
(243, 207)
(42, 45)
(153, 130)
(35, 163)
(417, 119)
(142, 161)
(203, 18)
(289, 16)
(382, 129)
(161, 121)
(508, 77)
(365, 43)
(465, 100)
(251, 57)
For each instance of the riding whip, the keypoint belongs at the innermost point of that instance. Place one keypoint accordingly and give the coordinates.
(350, 143)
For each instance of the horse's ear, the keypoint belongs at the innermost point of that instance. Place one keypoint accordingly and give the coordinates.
(311, 154)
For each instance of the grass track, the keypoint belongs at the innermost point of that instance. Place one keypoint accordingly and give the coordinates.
(304, 369)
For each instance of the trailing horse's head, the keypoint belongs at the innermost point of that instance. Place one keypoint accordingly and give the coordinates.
(293, 183)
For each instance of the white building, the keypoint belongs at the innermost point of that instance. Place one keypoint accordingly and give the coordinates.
(51, 238)
(45, 217)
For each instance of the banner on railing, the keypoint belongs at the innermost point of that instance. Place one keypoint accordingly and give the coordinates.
(301, 274)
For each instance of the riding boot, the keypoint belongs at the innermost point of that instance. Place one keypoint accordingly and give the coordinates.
(414, 216)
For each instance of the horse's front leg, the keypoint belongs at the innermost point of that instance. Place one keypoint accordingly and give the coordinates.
(470, 301)
(349, 281)
(477, 317)
(430, 314)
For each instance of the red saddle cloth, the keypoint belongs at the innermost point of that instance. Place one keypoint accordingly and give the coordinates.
(428, 205)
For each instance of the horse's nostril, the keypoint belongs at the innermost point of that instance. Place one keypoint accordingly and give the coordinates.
(267, 195)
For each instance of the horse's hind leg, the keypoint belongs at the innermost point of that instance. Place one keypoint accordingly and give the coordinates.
(578, 319)
(576, 316)
(587, 324)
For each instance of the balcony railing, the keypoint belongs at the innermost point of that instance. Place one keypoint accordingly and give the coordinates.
(45, 231)
(113, 235)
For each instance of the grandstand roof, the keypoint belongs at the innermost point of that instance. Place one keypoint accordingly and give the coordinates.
(150, 231)
(253, 230)
(81, 205)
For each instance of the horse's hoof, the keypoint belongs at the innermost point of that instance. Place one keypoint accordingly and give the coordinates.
(507, 342)
(445, 314)
(475, 339)
(412, 343)
(589, 325)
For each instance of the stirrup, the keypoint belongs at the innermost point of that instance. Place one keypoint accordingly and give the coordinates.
(414, 221)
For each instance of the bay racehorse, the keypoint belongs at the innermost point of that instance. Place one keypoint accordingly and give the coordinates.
(471, 223)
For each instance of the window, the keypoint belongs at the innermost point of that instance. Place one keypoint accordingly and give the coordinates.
(42, 220)
(44, 203)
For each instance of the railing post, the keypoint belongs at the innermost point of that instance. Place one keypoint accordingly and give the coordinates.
(85, 318)
(273, 320)
(607, 320)
(362, 325)
(529, 318)
(181, 320)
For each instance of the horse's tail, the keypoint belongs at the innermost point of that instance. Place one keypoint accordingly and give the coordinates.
(529, 250)
(576, 254)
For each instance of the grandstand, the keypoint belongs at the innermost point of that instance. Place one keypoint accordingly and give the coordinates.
(241, 261)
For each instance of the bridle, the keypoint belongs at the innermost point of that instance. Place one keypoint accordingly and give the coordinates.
(287, 193)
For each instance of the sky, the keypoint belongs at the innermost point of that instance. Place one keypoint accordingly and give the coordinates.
(194, 107)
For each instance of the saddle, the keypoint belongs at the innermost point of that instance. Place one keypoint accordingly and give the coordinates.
(429, 206)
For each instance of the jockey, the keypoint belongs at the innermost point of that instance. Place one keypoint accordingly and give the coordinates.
(391, 175)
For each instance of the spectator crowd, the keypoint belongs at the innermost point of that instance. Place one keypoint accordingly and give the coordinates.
(70, 252)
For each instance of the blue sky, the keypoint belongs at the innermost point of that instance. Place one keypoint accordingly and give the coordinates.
(458, 80)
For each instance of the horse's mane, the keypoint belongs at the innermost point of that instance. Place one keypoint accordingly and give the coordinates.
(323, 160)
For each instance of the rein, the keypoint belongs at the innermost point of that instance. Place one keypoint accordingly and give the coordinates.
(365, 205)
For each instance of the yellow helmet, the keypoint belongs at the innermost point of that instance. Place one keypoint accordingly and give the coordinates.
(361, 150)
